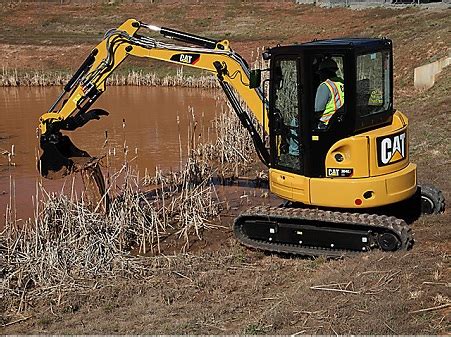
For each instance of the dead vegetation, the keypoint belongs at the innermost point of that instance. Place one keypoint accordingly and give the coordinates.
(8, 154)
(14, 78)
(70, 242)
(140, 78)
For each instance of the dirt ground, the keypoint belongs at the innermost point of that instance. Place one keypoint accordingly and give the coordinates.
(221, 287)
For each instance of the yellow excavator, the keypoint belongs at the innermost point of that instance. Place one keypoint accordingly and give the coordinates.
(332, 174)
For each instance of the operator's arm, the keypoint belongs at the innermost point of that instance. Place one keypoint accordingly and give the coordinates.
(321, 99)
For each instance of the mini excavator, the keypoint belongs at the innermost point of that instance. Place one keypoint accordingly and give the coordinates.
(332, 177)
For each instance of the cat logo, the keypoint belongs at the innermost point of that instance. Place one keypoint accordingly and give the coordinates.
(186, 58)
(391, 149)
(339, 172)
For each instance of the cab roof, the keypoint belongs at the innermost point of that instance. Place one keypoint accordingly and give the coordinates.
(355, 41)
(340, 43)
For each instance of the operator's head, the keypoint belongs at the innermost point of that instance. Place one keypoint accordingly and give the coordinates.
(327, 69)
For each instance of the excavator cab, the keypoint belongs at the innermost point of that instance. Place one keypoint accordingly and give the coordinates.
(299, 141)
(349, 161)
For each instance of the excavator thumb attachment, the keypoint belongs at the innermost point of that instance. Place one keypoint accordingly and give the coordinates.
(60, 157)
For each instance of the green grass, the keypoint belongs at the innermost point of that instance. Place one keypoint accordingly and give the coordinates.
(254, 329)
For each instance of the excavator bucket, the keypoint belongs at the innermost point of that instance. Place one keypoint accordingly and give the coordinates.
(60, 157)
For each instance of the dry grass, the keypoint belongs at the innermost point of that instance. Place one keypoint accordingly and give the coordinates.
(233, 150)
(68, 243)
(14, 78)
(140, 78)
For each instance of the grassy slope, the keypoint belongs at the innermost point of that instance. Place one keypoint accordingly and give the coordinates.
(59, 37)
(235, 290)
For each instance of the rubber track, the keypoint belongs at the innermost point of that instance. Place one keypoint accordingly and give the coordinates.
(396, 226)
(441, 203)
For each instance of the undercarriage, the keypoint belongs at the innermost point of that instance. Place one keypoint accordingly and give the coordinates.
(316, 232)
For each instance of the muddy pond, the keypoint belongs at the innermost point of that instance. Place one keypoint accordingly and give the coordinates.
(144, 119)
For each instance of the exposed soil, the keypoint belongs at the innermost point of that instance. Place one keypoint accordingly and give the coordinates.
(221, 287)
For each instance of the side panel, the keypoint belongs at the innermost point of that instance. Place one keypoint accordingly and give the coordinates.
(349, 158)
(345, 192)
(374, 153)
(289, 186)
(364, 192)
(389, 147)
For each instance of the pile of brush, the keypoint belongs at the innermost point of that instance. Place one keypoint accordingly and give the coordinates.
(68, 243)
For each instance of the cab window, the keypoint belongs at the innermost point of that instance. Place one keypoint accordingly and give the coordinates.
(373, 83)
(286, 115)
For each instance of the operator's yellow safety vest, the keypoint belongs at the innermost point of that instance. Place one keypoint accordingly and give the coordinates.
(337, 100)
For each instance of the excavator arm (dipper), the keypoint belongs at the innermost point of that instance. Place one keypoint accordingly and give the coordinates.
(60, 155)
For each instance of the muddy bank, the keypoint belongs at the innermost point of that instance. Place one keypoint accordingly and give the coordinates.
(235, 291)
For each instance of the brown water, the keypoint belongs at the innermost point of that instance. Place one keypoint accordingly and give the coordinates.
(150, 133)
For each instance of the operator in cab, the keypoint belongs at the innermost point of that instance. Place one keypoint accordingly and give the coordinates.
(330, 93)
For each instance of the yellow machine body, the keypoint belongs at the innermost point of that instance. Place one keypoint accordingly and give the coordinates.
(370, 185)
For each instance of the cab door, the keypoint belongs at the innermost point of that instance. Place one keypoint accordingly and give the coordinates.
(287, 151)
(319, 137)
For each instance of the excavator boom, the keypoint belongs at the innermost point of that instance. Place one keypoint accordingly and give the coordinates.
(61, 157)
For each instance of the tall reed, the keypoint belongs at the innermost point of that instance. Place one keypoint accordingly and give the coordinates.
(13, 78)
(67, 243)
